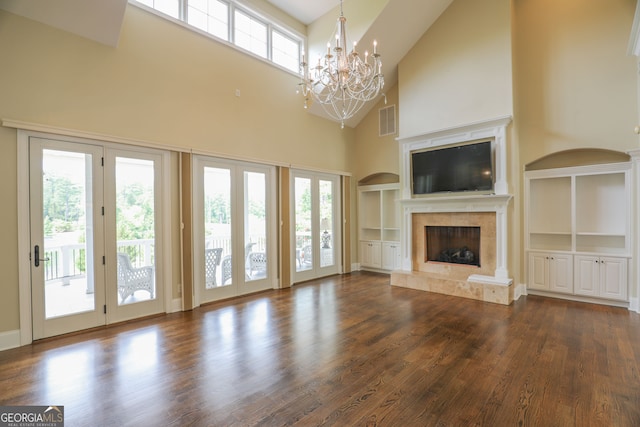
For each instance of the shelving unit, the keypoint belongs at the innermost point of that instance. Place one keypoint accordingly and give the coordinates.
(578, 230)
(379, 226)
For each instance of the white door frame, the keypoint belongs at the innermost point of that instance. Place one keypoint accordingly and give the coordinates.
(239, 286)
(24, 228)
(317, 270)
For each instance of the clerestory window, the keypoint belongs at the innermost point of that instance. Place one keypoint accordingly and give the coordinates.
(234, 23)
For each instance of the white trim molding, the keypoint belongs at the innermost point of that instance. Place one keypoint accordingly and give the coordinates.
(481, 203)
(9, 339)
(634, 267)
(498, 202)
(495, 129)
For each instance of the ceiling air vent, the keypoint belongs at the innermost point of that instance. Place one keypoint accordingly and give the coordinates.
(387, 120)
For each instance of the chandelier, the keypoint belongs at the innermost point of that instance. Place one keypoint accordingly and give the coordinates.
(342, 82)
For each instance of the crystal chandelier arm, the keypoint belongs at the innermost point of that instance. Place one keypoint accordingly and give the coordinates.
(343, 82)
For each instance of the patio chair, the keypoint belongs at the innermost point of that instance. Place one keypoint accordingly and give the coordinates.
(226, 270)
(131, 279)
(211, 263)
(307, 256)
(257, 264)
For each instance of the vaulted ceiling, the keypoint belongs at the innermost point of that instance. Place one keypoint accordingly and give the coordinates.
(396, 24)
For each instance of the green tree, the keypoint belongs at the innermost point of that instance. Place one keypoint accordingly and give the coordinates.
(134, 213)
(61, 205)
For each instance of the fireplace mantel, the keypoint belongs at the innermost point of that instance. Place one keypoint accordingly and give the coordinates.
(455, 203)
(473, 203)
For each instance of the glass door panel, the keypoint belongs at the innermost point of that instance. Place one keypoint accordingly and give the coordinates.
(217, 227)
(303, 225)
(135, 229)
(67, 196)
(327, 257)
(255, 228)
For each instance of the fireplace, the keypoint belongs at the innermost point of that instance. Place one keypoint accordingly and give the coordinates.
(454, 245)
(437, 232)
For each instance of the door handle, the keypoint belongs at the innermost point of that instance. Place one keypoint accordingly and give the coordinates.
(36, 256)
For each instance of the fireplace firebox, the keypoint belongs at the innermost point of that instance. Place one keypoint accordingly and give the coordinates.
(452, 244)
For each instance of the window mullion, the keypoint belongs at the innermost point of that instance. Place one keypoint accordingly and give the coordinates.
(269, 42)
(232, 23)
(184, 4)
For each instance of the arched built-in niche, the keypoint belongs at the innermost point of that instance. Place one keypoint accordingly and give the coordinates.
(380, 178)
(577, 157)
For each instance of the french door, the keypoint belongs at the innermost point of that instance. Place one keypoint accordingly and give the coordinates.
(316, 233)
(67, 234)
(93, 209)
(234, 228)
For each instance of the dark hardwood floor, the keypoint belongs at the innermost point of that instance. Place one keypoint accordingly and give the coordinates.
(346, 351)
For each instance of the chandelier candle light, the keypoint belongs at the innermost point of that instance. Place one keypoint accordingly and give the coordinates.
(342, 82)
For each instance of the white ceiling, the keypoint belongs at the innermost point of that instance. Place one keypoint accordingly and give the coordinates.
(98, 20)
(305, 11)
(397, 27)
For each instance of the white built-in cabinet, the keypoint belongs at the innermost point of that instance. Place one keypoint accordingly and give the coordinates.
(578, 231)
(379, 227)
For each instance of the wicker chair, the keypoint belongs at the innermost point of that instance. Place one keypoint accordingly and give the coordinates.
(211, 262)
(257, 264)
(226, 270)
(131, 279)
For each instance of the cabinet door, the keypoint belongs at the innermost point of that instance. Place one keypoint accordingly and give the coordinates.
(376, 254)
(587, 274)
(561, 273)
(365, 253)
(538, 271)
(613, 278)
(390, 255)
(370, 254)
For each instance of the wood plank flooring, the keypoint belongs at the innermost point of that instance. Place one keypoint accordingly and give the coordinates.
(345, 351)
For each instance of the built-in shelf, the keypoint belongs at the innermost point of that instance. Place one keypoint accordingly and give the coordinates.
(379, 230)
(577, 215)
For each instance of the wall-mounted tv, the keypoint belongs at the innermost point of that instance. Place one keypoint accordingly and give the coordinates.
(453, 169)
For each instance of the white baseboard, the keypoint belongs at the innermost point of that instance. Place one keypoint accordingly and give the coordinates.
(519, 290)
(634, 304)
(355, 266)
(9, 339)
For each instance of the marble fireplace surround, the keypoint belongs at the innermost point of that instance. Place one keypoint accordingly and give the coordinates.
(490, 282)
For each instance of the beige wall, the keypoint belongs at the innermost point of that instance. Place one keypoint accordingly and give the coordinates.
(375, 153)
(163, 84)
(460, 71)
(575, 85)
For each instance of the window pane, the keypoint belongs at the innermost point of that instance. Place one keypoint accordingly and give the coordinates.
(304, 251)
(170, 7)
(285, 51)
(135, 229)
(255, 225)
(211, 16)
(250, 34)
(326, 223)
(68, 227)
(217, 225)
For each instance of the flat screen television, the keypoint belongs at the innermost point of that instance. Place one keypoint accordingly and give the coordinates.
(453, 169)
